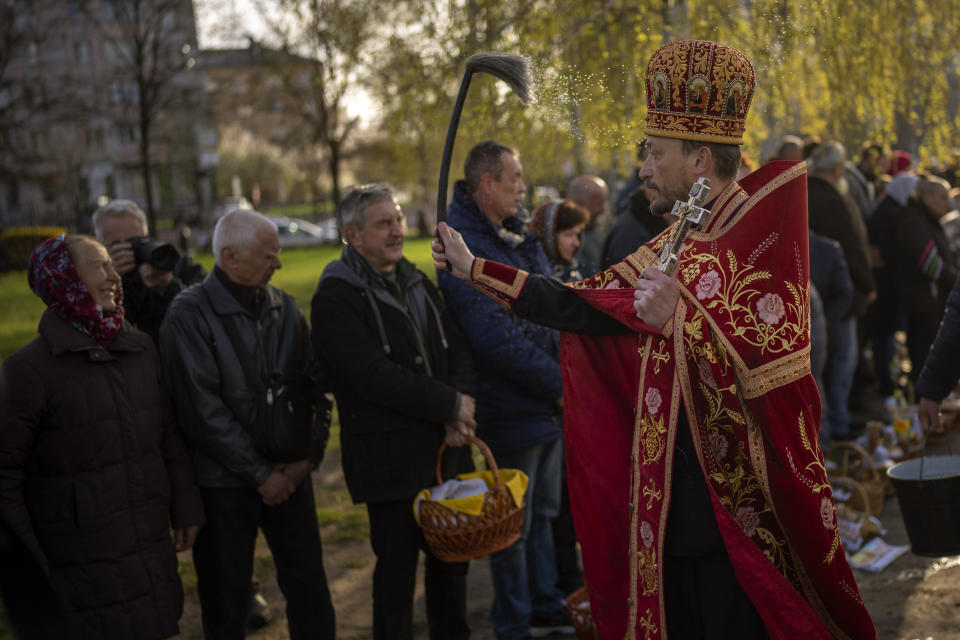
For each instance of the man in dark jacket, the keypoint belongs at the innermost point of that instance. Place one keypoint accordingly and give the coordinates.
(403, 379)
(862, 177)
(632, 230)
(519, 395)
(831, 280)
(942, 367)
(834, 216)
(925, 267)
(591, 193)
(235, 350)
(885, 317)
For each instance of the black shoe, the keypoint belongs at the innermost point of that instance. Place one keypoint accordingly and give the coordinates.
(259, 614)
(542, 625)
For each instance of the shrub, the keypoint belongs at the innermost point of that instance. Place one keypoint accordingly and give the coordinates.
(17, 243)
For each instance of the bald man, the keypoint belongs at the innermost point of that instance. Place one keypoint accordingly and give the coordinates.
(591, 193)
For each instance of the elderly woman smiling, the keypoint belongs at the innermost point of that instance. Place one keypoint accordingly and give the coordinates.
(93, 470)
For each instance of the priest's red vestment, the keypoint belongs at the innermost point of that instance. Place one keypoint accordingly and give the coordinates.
(736, 357)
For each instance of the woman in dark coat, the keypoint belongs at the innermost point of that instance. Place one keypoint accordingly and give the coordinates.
(93, 470)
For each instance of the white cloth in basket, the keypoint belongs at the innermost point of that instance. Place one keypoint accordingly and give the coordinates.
(452, 489)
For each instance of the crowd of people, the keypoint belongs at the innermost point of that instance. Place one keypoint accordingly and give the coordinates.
(663, 420)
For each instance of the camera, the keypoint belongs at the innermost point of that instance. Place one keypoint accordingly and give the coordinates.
(162, 256)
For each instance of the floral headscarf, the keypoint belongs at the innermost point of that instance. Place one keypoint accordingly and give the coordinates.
(54, 279)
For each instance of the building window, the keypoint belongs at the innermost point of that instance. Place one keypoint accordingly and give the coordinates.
(127, 134)
(81, 52)
(125, 92)
(95, 138)
(39, 140)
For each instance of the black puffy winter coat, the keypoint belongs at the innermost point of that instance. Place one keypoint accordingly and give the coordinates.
(93, 473)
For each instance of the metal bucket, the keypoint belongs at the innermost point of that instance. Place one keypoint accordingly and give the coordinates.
(928, 490)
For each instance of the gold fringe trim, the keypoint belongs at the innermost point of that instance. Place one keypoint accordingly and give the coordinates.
(778, 373)
(509, 289)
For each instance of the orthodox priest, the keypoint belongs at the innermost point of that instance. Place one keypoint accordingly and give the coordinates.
(697, 484)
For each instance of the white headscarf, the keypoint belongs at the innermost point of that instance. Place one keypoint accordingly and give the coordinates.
(901, 186)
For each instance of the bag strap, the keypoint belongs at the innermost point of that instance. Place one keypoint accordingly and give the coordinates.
(253, 379)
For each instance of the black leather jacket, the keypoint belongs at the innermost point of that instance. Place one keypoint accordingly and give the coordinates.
(206, 376)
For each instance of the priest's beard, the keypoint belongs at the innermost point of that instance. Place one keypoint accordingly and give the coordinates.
(668, 192)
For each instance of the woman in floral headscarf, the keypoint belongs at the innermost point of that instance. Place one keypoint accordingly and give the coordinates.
(93, 470)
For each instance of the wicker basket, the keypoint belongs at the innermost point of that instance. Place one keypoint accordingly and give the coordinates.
(854, 462)
(457, 537)
(859, 500)
(578, 608)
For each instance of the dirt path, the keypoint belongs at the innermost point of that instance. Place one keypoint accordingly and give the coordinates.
(913, 599)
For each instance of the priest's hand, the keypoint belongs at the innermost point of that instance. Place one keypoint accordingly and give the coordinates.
(450, 251)
(655, 297)
(929, 413)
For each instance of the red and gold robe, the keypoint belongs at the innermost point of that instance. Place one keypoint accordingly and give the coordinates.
(736, 357)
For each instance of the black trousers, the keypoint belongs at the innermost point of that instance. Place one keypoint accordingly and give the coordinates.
(397, 540)
(704, 601)
(569, 576)
(223, 555)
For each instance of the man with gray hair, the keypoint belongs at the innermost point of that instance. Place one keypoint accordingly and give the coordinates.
(403, 379)
(237, 357)
(147, 290)
(835, 216)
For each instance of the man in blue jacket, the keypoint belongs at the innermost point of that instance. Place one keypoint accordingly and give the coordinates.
(519, 393)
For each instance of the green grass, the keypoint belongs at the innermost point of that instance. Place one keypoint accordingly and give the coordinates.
(188, 574)
(344, 522)
(304, 210)
(20, 310)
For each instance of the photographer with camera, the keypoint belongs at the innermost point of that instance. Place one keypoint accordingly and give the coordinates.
(153, 272)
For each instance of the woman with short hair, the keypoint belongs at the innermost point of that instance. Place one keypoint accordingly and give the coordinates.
(559, 224)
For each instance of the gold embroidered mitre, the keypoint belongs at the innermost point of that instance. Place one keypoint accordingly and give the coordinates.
(699, 90)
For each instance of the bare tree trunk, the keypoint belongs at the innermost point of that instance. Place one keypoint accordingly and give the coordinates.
(334, 172)
(146, 170)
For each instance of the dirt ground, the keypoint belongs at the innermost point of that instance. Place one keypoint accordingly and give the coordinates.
(914, 598)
